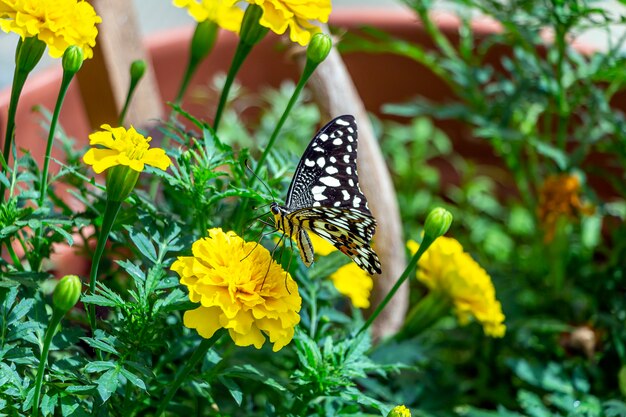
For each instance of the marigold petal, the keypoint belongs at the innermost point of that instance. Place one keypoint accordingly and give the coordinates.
(100, 159)
(157, 158)
(252, 337)
(353, 282)
(205, 320)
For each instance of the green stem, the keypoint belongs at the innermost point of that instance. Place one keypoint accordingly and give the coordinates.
(197, 356)
(129, 96)
(424, 314)
(306, 74)
(110, 213)
(241, 53)
(65, 83)
(426, 242)
(14, 257)
(191, 70)
(52, 326)
(19, 79)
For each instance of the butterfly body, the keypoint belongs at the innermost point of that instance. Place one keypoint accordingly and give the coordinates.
(324, 198)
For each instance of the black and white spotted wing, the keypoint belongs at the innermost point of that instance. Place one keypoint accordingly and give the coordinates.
(324, 197)
(327, 175)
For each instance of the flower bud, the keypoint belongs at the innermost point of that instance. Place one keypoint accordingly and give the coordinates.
(72, 59)
(399, 411)
(251, 31)
(437, 223)
(137, 70)
(319, 48)
(203, 40)
(28, 53)
(121, 181)
(66, 293)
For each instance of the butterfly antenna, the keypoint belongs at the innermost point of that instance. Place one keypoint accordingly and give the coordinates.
(259, 178)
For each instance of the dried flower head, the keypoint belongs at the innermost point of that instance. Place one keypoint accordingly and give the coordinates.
(446, 268)
(559, 197)
(231, 280)
(58, 23)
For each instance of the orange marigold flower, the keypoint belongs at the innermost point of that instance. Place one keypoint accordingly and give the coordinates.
(58, 23)
(559, 196)
(231, 280)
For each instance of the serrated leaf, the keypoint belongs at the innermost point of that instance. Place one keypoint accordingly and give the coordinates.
(100, 301)
(133, 270)
(99, 366)
(99, 344)
(107, 384)
(20, 310)
(48, 404)
(144, 245)
(80, 389)
(133, 379)
(233, 388)
(250, 372)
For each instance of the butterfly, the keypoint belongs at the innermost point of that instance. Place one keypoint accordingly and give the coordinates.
(324, 198)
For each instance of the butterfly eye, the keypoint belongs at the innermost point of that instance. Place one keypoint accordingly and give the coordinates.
(274, 209)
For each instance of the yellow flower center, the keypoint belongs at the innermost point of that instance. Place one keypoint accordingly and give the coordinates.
(134, 146)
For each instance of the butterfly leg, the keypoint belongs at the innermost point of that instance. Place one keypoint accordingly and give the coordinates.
(269, 264)
(251, 223)
(289, 264)
(258, 242)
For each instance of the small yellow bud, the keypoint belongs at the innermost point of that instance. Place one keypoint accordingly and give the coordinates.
(72, 59)
(319, 48)
(203, 40)
(137, 70)
(399, 411)
(121, 181)
(437, 223)
(66, 293)
(251, 31)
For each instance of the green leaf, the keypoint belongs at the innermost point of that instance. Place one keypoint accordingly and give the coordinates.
(100, 344)
(250, 372)
(134, 379)
(20, 310)
(107, 384)
(99, 366)
(233, 388)
(143, 244)
(48, 404)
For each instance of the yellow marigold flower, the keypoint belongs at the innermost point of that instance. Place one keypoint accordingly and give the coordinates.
(123, 147)
(559, 196)
(58, 23)
(295, 14)
(349, 280)
(399, 411)
(230, 279)
(223, 12)
(445, 267)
